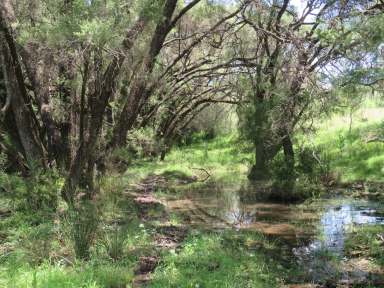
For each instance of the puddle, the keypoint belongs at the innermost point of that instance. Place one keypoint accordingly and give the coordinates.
(240, 207)
(337, 220)
(316, 233)
(324, 257)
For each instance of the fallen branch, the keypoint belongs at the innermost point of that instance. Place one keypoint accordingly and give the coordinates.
(205, 171)
(374, 139)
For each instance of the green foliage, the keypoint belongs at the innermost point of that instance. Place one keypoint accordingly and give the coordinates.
(142, 142)
(78, 21)
(38, 192)
(42, 191)
(304, 182)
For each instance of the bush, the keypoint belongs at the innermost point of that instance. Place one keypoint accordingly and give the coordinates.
(38, 243)
(43, 191)
(38, 193)
(314, 163)
(312, 170)
(143, 143)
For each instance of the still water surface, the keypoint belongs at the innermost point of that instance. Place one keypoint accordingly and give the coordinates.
(312, 230)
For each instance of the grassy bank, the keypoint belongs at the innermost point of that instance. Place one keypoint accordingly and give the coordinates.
(221, 260)
(39, 253)
(355, 154)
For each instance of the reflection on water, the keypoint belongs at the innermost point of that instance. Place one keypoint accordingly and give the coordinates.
(335, 223)
(240, 207)
(336, 220)
(313, 231)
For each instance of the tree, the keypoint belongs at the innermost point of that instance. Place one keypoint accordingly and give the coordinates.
(291, 50)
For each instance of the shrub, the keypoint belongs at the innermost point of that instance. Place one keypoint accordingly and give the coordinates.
(142, 142)
(39, 192)
(43, 191)
(312, 170)
(314, 163)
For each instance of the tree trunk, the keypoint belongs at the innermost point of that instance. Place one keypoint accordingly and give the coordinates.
(29, 138)
(21, 106)
(81, 171)
(289, 154)
(260, 170)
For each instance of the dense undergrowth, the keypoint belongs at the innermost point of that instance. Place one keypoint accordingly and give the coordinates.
(37, 244)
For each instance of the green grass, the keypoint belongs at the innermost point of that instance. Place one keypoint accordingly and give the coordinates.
(36, 251)
(225, 158)
(367, 240)
(219, 260)
(228, 159)
(85, 275)
(348, 153)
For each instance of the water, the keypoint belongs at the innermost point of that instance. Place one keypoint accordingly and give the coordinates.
(316, 232)
(337, 220)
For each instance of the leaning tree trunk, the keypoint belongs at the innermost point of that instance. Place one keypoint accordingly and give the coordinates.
(289, 157)
(140, 90)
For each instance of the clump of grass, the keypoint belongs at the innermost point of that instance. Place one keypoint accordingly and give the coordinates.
(114, 242)
(83, 220)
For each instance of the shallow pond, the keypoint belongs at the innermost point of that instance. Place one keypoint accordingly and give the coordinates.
(314, 232)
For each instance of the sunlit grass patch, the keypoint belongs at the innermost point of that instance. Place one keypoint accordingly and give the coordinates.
(223, 157)
(216, 260)
(85, 275)
(356, 154)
